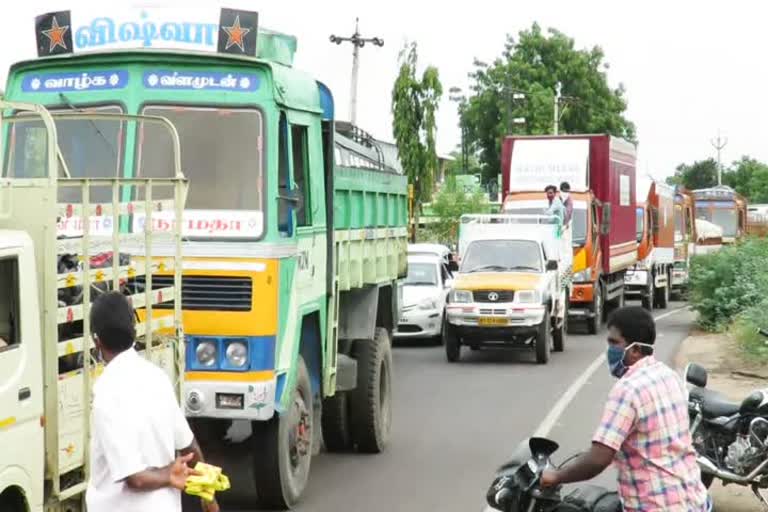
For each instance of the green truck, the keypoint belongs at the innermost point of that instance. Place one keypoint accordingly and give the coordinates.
(294, 236)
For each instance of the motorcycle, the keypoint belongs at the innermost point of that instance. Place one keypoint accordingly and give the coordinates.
(730, 438)
(516, 488)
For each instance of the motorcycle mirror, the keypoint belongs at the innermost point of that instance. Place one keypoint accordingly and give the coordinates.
(542, 446)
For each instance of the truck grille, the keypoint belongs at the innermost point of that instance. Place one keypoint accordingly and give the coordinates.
(489, 295)
(210, 293)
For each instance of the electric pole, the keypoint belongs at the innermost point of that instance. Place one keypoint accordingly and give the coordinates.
(357, 42)
(558, 95)
(719, 144)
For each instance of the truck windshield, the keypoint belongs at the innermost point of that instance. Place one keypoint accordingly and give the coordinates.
(421, 274)
(92, 148)
(221, 155)
(502, 256)
(726, 218)
(639, 218)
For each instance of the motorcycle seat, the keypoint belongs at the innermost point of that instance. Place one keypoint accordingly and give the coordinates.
(713, 404)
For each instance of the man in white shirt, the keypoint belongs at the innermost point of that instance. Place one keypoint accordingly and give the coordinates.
(141, 444)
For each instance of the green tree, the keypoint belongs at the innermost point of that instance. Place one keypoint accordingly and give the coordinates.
(700, 174)
(533, 65)
(449, 204)
(749, 177)
(414, 104)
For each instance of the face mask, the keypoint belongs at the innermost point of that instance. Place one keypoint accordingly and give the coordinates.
(615, 356)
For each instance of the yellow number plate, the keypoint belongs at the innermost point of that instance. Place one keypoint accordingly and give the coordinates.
(489, 320)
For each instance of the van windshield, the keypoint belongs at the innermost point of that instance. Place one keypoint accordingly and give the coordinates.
(502, 256)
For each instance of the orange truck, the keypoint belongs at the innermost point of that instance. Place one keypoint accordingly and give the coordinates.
(600, 170)
(685, 238)
(725, 208)
(650, 278)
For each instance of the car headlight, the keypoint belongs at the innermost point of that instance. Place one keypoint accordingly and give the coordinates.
(528, 297)
(237, 354)
(428, 304)
(206, 353)
(583, 276)
(461, 296)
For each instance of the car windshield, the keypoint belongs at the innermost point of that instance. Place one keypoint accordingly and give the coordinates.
(91, 148)
(221, 155)
(502, 256)
(725, 218)
(639, 219)
(421, 274)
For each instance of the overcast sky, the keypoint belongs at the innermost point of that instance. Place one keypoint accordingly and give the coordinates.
(689, 67)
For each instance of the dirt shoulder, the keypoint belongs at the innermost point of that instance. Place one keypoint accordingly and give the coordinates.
(732, 375)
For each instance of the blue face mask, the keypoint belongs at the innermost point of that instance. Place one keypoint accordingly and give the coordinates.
(615, 356)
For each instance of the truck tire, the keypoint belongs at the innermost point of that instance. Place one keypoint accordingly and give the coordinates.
(452, 343)
(593, 324)
(559, 333)
(283, 449)
(543, 342)
(371, 402)
(337, 436)
(662, 296)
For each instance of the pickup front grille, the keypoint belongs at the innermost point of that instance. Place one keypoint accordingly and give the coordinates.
(492, 296)
(208, 293)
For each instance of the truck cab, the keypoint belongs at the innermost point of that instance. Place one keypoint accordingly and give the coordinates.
(725, 208)
(685, 238)
(509, 290)
(291, 233)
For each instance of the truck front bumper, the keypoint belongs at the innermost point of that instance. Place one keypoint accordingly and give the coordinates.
(495, 317)
(636, 283)
(218, 398)
(580, 303)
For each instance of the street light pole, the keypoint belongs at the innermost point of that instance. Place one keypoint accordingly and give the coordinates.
(719, 144)
(357, 42)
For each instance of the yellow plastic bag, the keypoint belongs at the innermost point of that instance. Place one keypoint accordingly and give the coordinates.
(207, 483)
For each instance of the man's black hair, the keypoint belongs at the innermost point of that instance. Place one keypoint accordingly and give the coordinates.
(550, 187)
(565, 186)
(636, 325)
(113, 321)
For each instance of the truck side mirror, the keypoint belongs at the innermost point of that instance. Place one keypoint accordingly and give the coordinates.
(294, 201)
(453, 266)
(605, 225)
(551, 265)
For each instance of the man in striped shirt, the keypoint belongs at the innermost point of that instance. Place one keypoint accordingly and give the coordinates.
(644, 427)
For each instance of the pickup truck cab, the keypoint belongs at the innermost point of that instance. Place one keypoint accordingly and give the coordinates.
(508, 291)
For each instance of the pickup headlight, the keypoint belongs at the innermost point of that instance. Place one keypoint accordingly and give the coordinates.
(237, 354)
(461, 296)
(584, 276)
(206, 353)
(428, 304)
(528, 297)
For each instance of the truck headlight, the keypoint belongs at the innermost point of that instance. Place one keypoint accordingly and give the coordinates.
(206, 353)
(584, 276)
(461, 296)
(528, 297)
(428, 304)
(237, 354)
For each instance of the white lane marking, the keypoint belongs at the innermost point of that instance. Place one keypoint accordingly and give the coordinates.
(554, 414)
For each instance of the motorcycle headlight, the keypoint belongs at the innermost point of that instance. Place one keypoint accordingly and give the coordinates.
(461, 296)
(583, 276)
(528, 297)
(206, 353)
(237, 354)
(427, 304)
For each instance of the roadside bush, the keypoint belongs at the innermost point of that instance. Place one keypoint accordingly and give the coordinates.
(726, 283)
(745, 330)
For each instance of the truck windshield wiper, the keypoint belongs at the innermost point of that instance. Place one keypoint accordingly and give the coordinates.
(90, 121)
(524, 267)
(488, 267)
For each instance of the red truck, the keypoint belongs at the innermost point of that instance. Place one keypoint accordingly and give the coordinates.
(600, 170)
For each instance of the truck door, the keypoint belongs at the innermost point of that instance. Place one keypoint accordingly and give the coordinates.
(21, 374)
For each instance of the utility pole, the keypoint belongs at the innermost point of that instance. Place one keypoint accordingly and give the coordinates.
(719, 144)
(357, 42)
(558, 95)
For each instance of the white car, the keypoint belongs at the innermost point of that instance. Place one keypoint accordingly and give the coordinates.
(425, 292)
(425, 249)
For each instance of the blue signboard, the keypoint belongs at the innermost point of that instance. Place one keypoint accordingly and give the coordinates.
(196, 81)
(75, 81)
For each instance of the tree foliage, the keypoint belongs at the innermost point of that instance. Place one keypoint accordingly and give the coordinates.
(699, 174)
(414, 104)
(749, 177)
(533, 65)
(449, 204)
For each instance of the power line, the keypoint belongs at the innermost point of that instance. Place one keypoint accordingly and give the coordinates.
(719, 144)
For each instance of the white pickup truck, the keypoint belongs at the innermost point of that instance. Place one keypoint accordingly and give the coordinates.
(52, 264)
(509, 290)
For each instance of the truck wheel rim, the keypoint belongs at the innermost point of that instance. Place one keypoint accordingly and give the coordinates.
(300, 434)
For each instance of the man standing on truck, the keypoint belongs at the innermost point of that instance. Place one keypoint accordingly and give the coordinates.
(565, 197)
(555, 203)
(644, 428)
(137, 425)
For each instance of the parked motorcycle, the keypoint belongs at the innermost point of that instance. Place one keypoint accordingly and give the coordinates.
(730, 438)
(516, 488)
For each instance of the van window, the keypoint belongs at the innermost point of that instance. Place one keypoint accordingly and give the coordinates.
(9, 303)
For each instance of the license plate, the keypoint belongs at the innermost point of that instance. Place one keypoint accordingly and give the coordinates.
(489, 320)
(403, 320)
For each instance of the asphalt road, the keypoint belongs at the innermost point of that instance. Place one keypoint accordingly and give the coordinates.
(453, 424)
